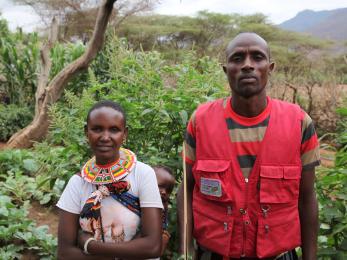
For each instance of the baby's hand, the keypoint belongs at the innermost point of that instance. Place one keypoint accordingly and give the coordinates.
(100, 193)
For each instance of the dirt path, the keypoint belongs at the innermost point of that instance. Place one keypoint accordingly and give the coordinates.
(44, 216)
(327, 158)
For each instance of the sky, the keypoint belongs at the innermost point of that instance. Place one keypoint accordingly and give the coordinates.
(277, 10)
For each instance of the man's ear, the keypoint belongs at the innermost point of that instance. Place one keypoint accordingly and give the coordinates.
(271, 67)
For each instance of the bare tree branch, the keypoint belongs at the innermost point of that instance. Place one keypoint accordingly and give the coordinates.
(45, 66)
(295, 91)
(37, 129)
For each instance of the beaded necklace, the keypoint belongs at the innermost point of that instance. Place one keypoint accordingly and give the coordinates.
(113, 172)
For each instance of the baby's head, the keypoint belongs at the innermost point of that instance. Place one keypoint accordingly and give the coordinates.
(166, 181)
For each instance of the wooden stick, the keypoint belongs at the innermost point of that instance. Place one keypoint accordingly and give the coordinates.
(185, 205)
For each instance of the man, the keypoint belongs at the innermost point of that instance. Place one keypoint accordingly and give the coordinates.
(250, 166)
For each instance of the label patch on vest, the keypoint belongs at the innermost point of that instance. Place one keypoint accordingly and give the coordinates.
(211, 187)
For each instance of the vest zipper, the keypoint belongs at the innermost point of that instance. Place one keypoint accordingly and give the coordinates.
(244, 221)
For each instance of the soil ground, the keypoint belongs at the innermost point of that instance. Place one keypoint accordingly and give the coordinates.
(327, 158)
(44, 216)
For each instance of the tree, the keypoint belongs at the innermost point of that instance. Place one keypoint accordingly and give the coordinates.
(76, 17)
(48, 93)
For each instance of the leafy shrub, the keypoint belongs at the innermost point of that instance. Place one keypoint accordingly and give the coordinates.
(332, 190)
(155, 96)
(12, 119)
(18, 232)
(12, 161)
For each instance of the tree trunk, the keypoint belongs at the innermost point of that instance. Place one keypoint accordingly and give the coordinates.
(46, 95)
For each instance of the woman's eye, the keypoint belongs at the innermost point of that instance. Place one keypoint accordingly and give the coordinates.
(114, 129)
(96, 129)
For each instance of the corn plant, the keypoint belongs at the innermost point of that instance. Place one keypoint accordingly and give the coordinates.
(19, 55)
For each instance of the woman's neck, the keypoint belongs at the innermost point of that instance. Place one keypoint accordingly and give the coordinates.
(105, 162)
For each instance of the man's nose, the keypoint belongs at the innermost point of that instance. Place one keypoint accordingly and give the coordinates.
(248, 63)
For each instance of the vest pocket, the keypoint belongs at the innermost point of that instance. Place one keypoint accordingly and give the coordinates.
(211, 232)
(279, 184)
(213, 180)
(278, 235)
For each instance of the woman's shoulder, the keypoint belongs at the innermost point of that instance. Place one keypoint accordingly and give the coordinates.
(77, 181)
(142, 168)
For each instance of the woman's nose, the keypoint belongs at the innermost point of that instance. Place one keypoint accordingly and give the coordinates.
(105, 136)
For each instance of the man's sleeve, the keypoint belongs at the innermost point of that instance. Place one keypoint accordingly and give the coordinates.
(190, 141)
(310, 157)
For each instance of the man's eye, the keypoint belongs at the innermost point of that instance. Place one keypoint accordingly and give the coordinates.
(258, 57)
(236, 58)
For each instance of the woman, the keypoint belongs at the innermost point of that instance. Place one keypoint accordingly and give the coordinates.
(109, 198)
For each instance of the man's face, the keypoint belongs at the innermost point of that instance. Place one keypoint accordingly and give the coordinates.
(248, 65)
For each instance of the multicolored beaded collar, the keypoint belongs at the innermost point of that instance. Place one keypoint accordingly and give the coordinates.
(97, 174)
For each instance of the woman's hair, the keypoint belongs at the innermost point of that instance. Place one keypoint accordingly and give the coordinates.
(107, 103)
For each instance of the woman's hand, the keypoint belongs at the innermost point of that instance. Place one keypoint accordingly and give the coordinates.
(82, 238)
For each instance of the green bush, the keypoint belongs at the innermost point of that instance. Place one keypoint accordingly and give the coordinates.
(12, 119)
(156, 97)
(332, 190)
(18, 232)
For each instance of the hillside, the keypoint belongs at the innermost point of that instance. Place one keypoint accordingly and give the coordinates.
(323, 24)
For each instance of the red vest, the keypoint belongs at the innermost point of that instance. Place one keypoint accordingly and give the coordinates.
(254, 217)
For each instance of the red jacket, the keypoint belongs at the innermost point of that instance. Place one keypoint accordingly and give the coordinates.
(254, 217)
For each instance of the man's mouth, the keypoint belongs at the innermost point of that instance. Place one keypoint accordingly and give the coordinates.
(247, 79)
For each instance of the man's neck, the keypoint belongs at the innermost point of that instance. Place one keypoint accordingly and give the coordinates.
(249, 107)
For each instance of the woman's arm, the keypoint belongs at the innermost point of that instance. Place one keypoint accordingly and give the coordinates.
(67, 238)
(146, 246)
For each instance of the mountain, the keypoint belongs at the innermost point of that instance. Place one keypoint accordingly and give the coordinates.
(330, 24)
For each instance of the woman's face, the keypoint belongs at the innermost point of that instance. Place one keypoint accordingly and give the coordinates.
(105, 132)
